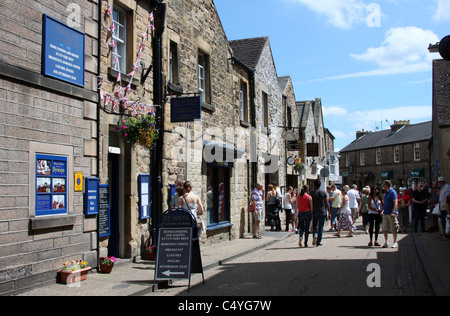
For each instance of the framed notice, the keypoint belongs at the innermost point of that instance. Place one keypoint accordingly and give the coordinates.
(62, 51)
(91, 196)
(144, 196)
(104, 226)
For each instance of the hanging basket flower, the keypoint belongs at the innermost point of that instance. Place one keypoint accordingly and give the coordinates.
(139, 130)
(299, 167)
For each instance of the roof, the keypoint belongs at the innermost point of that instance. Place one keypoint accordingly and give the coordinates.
(407, 134)
(249, 50)
(283, 81)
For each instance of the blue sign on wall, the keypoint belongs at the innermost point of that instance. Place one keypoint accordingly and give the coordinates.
(62, 51)
(91, 196)
(185, 109)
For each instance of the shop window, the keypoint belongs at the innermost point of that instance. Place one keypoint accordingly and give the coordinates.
(218, 196)
(51, 185)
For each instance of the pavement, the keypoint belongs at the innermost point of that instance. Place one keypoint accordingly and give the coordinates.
(136, 278)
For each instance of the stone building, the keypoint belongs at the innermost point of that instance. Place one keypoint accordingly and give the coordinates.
(441, 120)
(48, 132)
(312, 135)
(400, 154)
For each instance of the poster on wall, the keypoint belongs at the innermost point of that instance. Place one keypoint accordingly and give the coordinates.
(144, 196)
(62, 51)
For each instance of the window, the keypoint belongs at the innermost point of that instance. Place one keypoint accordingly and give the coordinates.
(347, 160)
(243, 102)
(218, 195)
(119, 52)
(362, 158)
(203, 77)
(51, 185)
(396, 154)
(173, 64)
(265, 109)
(378, 156)
(416, 152)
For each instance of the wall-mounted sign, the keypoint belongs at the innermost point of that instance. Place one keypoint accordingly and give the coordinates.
(185, 109)
(91, 196)
(295, 145)
(144, 196)
(104, 227)
(62, 51)
(312, 150)
(78, 181)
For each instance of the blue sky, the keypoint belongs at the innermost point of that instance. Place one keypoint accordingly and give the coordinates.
(367, 60)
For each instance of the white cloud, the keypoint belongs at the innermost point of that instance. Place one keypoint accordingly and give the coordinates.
(340, 13)
(442, 12)
(404, 51)
(402, 46)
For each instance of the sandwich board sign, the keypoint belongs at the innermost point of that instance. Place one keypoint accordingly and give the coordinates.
(178, 248)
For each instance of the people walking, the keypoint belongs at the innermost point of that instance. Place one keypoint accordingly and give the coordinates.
(390, 222)
(305, 206)
(419, 198)
(258, 204)
(289, 200)
(363, 209)
(345, 219)
(404, 200)
(321, 208)
(335, 205)
(273, 211)
(443, 189)
(354, 200)
(375, 208)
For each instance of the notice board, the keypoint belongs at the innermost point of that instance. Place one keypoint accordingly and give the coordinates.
(104, 227)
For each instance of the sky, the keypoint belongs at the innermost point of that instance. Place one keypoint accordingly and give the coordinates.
(368, 61)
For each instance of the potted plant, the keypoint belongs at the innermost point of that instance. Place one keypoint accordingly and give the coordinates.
(139, 130)
(107, 264)
(74, 271)
(151, 252)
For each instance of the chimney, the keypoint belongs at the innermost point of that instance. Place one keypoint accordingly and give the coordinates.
(398, 125)
(360, 134)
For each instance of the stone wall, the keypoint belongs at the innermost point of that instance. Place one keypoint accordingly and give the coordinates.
(41, 115)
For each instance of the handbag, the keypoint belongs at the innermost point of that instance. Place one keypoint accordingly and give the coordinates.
(251, 209)
(436, 210)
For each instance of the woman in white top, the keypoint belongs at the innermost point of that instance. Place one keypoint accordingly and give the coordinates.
(191, 202)
(375, 206)
(290, 212)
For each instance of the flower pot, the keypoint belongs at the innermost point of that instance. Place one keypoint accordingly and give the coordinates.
(69, 277)
(151, 255)
(106, 268)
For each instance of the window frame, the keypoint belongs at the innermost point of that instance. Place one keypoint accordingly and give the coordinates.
(396, 154)
(416, 152)
(121, 42)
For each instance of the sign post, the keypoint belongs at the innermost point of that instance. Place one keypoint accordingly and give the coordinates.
(178, 249)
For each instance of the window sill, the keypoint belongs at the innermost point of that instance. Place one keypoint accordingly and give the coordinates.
(46, 222)
(124, 77)
(213, 227)
(208, 107)
(245, 124)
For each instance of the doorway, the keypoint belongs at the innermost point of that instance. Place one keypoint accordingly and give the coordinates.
(114, 185)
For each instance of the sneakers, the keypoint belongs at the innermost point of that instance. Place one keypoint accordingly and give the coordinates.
(314, 241)
(386, 245)
(300, 243)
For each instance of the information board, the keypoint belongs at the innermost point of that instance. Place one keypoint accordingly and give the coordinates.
(104, 228)
(62, 51)
(91, 196)
(144, 196)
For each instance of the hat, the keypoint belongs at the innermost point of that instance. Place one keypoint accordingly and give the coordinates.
(441, 179)
(404, 189)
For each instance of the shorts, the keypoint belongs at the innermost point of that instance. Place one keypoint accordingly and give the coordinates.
(257, 215)
(390, 224)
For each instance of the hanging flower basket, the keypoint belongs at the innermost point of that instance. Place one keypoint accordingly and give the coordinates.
(299, 167)
(139, 130)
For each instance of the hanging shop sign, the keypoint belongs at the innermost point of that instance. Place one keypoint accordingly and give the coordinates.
(62, 51)
(185, 109)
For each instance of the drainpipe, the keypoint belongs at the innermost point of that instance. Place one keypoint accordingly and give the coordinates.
(157, 153)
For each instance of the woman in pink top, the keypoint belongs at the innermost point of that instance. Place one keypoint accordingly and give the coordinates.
(305, 206)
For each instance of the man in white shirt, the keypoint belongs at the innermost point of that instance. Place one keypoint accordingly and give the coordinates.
(353, 201)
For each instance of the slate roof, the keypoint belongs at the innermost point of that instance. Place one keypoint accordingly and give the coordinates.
(407, 134)
(249, 50)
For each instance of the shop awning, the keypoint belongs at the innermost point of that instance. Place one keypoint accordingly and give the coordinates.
(388, 174)
(417, 173)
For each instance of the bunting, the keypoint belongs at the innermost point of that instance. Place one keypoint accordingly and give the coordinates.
(120, 95)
